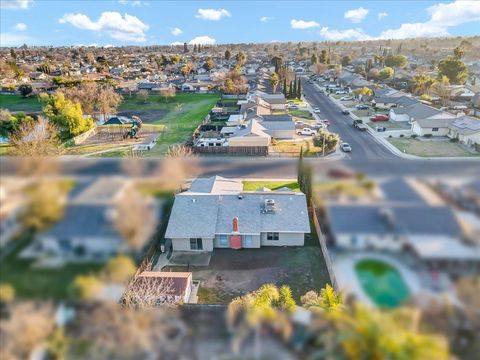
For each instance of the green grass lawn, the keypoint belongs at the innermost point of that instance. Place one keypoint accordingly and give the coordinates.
(33, 283)
(5, 149)
(19, 103)
(304, 114)
(272, 185)
(430, 148)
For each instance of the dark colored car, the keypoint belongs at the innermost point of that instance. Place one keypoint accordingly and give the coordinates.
(345, 112)
(361, 107)
(379, 118)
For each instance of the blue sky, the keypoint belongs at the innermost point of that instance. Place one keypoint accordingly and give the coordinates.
(137, 22)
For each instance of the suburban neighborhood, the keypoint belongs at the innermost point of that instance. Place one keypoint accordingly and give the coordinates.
(181, 180)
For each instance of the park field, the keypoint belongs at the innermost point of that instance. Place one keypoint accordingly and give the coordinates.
(19, 103)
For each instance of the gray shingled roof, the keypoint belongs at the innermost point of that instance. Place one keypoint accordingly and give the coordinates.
(408, 220)
(278, 125)
(398, 190)
(466, 125)
(418, 111)
(204, 215)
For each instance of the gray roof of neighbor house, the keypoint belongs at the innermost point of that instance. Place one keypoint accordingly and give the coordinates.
(278, 125)
(205, 215)
(435, 123)
(277, 117)
(215, 185)
(417, 111)
(274, 98)
(398, 190)
(466, 125)
(399, 100)
(84, 221)
(407, 220)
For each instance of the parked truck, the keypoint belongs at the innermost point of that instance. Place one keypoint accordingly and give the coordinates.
(359, 125)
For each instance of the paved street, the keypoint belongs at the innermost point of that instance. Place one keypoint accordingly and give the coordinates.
(364, 145)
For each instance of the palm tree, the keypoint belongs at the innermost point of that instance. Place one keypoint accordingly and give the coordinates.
(327, 300)
(267, 305)
(274, 79)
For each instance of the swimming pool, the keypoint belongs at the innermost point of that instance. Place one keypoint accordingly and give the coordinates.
(382, 283)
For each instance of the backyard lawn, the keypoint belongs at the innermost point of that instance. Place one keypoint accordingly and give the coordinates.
(294, 147)
(36, 283)
(272, 185)
(19, 103)
(430, 148)
(304, 114)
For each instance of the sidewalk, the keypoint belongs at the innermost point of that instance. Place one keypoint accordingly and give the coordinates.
(394, 150)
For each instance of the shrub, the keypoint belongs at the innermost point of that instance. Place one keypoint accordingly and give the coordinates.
(401, 135)
(414, 136)
(427, 136)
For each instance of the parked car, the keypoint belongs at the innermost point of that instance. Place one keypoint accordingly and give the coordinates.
(345, 147)
(358, 124)
(324, 121)
(345, 112)
(316, 110)
(306, 131)
(341, 92)
(361, 107)
(379, 118)
(346, 98)
(380, 128)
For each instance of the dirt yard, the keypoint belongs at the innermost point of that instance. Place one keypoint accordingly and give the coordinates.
(235, 272)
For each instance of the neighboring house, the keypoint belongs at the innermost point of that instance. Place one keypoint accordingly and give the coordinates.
(417, 111)
(164, 287)
(88, 230)
(251, 133)
(12, 203)
(431, 127)
(466, 130)
(220, 214)
(387, 102)
(278, 126)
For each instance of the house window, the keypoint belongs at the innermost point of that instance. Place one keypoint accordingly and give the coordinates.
(196, 244)
(272, 235)
(223, 241)
(434, 129)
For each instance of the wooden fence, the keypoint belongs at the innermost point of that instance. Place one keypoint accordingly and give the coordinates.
(323, 246)
(232, 150)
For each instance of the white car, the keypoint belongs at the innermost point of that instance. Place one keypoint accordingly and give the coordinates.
(341, 92)
(345, 147)
(306, 131)
(316, 111)
(346, 98)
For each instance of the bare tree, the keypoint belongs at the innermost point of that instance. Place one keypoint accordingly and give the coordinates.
(27, 327)
(142, 96)
(86, 94)
(179, 163)
(108, 101)
(135, 219)
(147, 292)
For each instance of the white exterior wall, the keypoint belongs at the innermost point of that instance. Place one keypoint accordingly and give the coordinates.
(417, 129)
(397, 117)
(284, 239)
(184, 244)
(255, 242)
(278, 106)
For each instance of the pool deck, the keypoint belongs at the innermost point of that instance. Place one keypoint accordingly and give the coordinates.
(348, 282)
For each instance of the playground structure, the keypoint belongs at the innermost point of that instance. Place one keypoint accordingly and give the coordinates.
(134, 130)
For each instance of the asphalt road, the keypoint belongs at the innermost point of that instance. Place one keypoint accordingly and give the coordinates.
(364, 145)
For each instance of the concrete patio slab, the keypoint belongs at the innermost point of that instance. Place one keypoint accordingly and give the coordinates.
(190, 258)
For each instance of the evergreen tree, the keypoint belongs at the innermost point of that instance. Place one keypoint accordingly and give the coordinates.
(185, 48)
(300, 169)
(195, 48)
(294, 91)
(290, 89)
(299, 89)
(285, 88)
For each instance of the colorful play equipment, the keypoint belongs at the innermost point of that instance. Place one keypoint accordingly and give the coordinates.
(132, 133)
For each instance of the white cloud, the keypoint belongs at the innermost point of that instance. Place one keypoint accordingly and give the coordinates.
(302, 24)
(176, 31)
(176, 43)
(123, 28)
(265, 19)
(381, 15)
(348, 34)
(15, 4)
(356, 15)
(212, 14)
(202, 40)
(20, 26)
(132, 2)
(8, 39)
(442, 16)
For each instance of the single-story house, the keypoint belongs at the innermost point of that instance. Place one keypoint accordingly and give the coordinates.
(417, 111)
(466, 129)
(279, 126)
(220, 214)
(251, 133)
(386, 102)
(433, 127)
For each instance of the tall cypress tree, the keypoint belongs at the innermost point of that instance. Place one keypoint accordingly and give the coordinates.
(300, 170)
(285, 88)
(294, 91)
(299, 89)
(290, 90)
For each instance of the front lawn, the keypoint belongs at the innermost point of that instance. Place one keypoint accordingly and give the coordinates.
(430, 148)
(34, 283)
(294, 147)
(304, 114)
(19, 103)
(272, 185)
